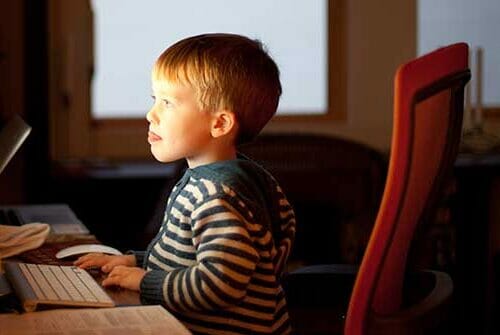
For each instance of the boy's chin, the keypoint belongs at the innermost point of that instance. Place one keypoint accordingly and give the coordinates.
(162, 158)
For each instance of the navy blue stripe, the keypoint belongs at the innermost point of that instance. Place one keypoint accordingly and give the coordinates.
(259, 269)
(264, 283)
(230, 236)
(182, 240)
(224, 277)
(211, 211)
(181, 277)
(198, 284)
(177, 223)
(191, 197)
(216, 224)
(179, 253)
(182, 209)
(201, 187)
(190, 289)
(215, 327)
(257, 308)
(171, 287)
(217, 290)
(285, 327)
(261, 295)
(233, 266)
(288, 217)
(165, 261)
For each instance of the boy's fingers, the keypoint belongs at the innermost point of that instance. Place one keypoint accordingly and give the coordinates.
(113, 278)
(109, 281)
(111, 265)
(87, 257)
(85, 264)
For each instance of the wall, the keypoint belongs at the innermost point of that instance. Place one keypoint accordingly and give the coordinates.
(381, 35)
(12, 182)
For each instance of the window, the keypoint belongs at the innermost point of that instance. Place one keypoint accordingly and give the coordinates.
(476, 23)
(77, 132)
(129, 36)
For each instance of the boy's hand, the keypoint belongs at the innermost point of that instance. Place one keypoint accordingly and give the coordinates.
(126, 277)
(105, 262)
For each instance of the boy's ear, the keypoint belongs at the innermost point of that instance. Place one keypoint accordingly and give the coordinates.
(223, 123)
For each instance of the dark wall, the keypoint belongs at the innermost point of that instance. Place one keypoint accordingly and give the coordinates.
(36, 99)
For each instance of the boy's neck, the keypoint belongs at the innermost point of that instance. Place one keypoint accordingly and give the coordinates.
(212, 156)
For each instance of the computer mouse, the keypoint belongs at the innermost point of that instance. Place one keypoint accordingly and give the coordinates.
(81, 249)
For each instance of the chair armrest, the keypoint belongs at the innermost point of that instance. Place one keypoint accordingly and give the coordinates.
(423, 316)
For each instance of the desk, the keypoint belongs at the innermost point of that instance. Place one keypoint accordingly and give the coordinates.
(126, 320)
(116, 201)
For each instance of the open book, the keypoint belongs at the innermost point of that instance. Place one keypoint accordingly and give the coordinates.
(134, 320)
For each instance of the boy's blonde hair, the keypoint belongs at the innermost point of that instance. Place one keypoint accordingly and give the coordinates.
(226, 71)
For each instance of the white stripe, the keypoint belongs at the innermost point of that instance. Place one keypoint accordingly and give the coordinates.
(178, 231)
(196, 291)
(195, 191)
(250, 226)
(284, 202)
(209, 185)
(178, 215)
(228, 190)
(172, 257)
(285, 214)
(268, 290)
(260, 302)
(223, 286)
(228, 257)
(157, 262)
(176, 245)
(185, 202)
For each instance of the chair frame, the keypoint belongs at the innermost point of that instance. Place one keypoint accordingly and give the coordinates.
(368, 312)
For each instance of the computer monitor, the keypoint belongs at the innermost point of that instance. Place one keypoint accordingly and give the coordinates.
(12, 135)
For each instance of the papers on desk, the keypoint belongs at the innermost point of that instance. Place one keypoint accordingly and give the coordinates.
(118, 320)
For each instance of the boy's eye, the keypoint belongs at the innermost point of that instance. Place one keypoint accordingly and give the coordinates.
(166, 102)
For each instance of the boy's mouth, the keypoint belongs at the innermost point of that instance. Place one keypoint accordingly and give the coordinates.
(152, 137)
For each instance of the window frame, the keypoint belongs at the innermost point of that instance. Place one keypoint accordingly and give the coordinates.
(75, 134)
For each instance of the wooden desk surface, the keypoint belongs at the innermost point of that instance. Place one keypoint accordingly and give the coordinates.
(158, 319)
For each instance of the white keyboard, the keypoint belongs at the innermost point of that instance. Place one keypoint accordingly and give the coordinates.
(56, 285)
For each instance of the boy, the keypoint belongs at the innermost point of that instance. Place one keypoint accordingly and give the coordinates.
(217, 259)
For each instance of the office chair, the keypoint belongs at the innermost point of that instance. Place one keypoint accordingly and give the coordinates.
(428, 108)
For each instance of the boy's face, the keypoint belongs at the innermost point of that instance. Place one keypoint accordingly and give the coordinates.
(178, 128)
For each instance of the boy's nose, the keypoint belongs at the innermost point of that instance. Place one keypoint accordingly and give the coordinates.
(151, 116)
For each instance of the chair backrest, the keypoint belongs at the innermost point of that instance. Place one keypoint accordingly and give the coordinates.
(333, 184)
(428, 110)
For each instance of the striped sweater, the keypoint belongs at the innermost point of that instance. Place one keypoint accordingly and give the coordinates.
(218, 256)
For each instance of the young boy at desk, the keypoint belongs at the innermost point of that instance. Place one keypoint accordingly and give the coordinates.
(217, 259)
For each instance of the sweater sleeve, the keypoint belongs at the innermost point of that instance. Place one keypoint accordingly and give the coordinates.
(225, 262)
(139, 256)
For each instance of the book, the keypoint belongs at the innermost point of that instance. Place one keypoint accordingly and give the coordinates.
(153, 319)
